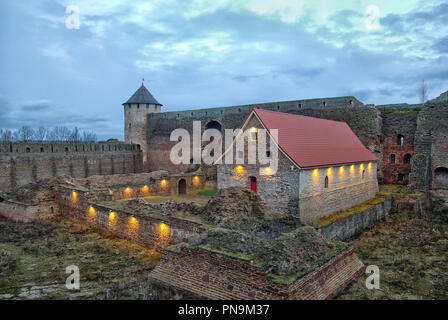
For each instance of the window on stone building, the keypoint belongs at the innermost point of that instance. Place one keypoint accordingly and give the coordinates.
(221, 111)
(441, 177)
(300, 106)
(392, 159)
(324, 104)
(41, 149)
(278, 107)
(351, 102)
(129, 126)
(363, 173)
(268, 154)
(28, 149)
(400, 140)
(66, 149)
(239, 110)
(407, 158)
(400, 177)
(326, 182)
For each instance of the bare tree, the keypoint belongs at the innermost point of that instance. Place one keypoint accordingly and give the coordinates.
(423, 92)
(59, 134)
(41, 134)
(25, 134)
(88, 136)
(75, 136)
(5, 135)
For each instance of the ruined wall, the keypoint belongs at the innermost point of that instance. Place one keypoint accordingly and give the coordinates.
(348, 186)
(25, 212)
(431, 146)
(399, 126)
(215, 276)
(22, 163)
(144, 229)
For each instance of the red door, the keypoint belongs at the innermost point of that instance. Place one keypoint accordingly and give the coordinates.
(253, 184)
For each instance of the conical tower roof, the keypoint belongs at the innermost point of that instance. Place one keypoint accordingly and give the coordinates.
(142, 95)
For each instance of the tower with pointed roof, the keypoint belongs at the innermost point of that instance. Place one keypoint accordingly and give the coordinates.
(136, 109)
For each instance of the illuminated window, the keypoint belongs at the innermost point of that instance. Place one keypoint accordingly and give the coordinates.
(400, 140)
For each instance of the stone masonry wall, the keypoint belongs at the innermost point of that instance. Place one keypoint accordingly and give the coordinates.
(398, 122)
(363, 120)
(22, 163)
(147, 230)
(352, 225)
(215, 276)
(347, 187)
(279, 190)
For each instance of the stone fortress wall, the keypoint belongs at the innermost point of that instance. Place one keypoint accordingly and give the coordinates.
(409, 146)
(22, 163)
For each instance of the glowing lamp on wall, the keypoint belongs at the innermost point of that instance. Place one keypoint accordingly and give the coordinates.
(92, 210)
(369, 166)
(111, 192)
(74, 196)
(329, 172)
(341, 169)
(163, 183)
(352, 168)
(239, 169)
(253, 130)
(315, 172)
(196, 180)
(112, 215)
(267, 171)
(145, 189)
(163, 227)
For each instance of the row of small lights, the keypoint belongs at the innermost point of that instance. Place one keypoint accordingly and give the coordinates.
(341, 169)
(268, 170)
(112, 214)
(145, 188)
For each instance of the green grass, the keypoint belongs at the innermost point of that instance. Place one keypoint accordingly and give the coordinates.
(205, 192)
(325, 221)
(159, 199)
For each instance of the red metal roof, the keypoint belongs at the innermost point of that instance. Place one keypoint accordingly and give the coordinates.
(313, 142)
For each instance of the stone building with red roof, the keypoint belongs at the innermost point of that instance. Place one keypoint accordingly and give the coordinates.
(322, 168)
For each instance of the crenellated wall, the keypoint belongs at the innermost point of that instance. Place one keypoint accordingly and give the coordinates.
(22, 163)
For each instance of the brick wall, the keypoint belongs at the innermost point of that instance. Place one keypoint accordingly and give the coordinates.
(212, 275)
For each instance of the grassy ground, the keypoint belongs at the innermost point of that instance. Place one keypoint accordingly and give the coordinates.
(33, 259)
(411, 254)
(202, 200)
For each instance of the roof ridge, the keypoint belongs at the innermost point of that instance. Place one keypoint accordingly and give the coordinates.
(297, 115)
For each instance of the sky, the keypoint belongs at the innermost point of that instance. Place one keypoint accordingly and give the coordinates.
(196, 54)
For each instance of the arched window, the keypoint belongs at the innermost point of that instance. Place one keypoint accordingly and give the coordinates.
(66, 149)
(400, 140)
(326, 182)
(441, 177)
(392, 158)
(400, 177)
(407, 158)
(28, 149)
(213, 125)
(182, 186)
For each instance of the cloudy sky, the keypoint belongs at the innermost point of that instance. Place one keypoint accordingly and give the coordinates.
(201, 53)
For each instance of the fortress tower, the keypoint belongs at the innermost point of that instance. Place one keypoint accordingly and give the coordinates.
(136, 109)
